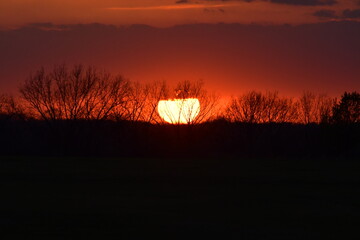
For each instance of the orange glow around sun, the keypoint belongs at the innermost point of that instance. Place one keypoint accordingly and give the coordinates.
(179, 111)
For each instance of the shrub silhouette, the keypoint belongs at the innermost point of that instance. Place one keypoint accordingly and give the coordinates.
(348, 109)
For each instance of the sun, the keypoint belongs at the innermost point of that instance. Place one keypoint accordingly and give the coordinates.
(179, 111)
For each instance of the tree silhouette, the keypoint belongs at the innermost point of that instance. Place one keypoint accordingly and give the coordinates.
(10, 108)
(208, 102)
(348, 109)
(141, 103)
(76, 93)
(246, 108)
(276, 109)
(256, 107)
(83, 92)
(314, 108)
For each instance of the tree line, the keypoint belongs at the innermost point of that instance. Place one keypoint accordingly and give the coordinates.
(87, 93)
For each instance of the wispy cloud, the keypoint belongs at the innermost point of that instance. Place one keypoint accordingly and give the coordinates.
(347, 14)
(306, 2)
(287, 2)
(169, 7)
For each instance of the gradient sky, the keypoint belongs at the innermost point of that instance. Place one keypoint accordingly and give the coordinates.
(233, 45)
(169, 12)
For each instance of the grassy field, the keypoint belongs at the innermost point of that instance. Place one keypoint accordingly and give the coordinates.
(60, 198)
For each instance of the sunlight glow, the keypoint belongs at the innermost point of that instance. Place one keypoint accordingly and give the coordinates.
(179, 111)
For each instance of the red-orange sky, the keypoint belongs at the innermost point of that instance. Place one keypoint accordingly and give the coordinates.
(233, 45)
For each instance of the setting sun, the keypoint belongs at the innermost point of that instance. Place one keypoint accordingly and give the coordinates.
(179, 110)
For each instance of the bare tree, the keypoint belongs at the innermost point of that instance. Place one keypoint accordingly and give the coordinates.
(3, 103)
(278, 109)
(194, 103)
(246, 108)
(141, 102)
(314, 108)
(256, 107)
(135, 104)
(10, 107)
(78, 93)
(156, 92)
(139, 99)
(307, 107)
(326, 105)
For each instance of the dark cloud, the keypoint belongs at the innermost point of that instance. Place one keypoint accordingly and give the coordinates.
(351, 13)
(288, 2)
(182, 1)
(306, 2)
(211, 10)
(194, 1)
(325, 14)
(229, 57)
(346, 14)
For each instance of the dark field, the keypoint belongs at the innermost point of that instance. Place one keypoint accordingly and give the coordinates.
(232, 198)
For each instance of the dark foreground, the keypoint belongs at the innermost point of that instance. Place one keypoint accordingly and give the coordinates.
(78, 198)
